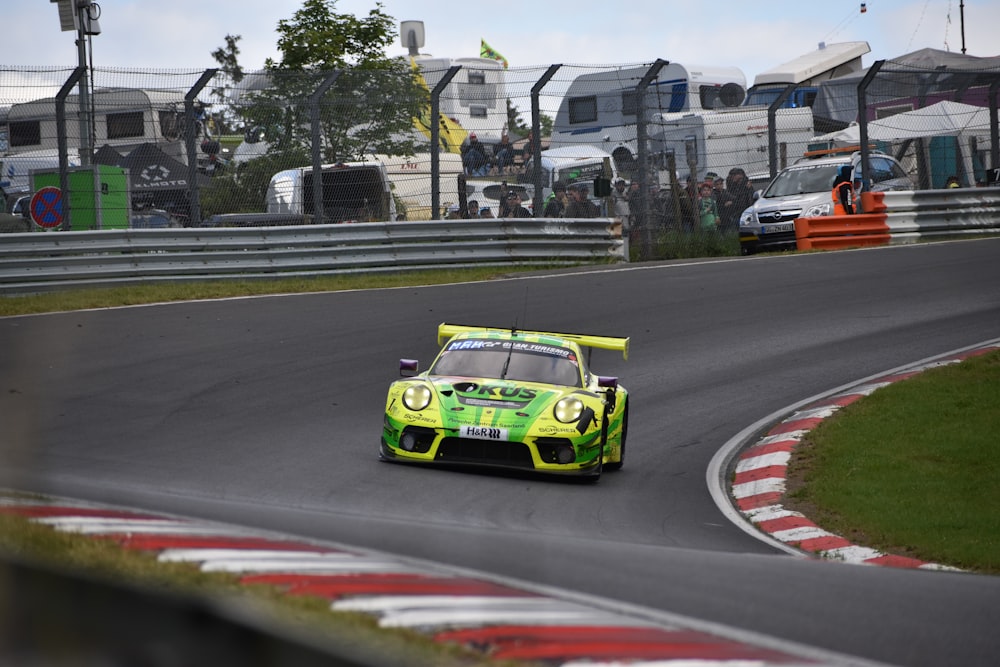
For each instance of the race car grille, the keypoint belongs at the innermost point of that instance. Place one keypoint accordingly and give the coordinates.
(488, 452)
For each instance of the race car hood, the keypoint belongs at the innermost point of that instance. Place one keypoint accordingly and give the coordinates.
(491, 401)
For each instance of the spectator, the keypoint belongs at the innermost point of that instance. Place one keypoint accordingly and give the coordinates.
(740, 193)
(953, 182)
(453, 212)
(485, 213)
(708, 215)
(723, 200)
(503, 154)
(472, 208)
(579, 205)
(620, 203)
(556, 204)
(514, 208)
(474, 158)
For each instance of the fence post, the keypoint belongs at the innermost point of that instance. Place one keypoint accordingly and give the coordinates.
(436, 140)
(642, 150)
(536, 138)
(62, 142)
(994, 131)
(192, 155)
(772, 128)
(316, 139)
(863, 121)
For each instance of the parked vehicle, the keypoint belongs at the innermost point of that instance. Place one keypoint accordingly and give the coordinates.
(805, 189)
(600, 108)
(827, 62)
(352, 192)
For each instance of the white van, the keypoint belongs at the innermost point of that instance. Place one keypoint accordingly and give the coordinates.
(352, 192)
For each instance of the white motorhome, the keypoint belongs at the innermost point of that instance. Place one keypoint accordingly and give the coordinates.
(123, 118)
(476, 98)
(352, 192)
(717, 141)
(600, 108)
(828, 61)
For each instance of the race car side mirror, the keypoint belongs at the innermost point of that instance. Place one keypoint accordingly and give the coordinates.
(409, 367)
(607, 381)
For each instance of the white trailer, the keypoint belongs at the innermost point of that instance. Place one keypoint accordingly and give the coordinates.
(476, 98)
(600, 108)
(717, 141)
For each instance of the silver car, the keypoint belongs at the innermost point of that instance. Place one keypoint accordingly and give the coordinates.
(804, 189)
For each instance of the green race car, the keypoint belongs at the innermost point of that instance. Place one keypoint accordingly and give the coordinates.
(511, 399)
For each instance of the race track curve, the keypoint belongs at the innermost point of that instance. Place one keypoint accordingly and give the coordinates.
(266, 412)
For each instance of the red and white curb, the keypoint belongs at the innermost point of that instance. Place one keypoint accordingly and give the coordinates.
(760, 475)
(499, 619)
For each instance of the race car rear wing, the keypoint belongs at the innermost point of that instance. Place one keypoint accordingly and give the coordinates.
(446, 331)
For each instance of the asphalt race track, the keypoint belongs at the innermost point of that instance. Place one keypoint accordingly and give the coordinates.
(267, 412)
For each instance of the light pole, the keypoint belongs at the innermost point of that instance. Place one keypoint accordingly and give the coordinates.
(82, 16)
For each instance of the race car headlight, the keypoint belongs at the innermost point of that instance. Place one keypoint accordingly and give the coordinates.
(568, 410)
(417, 397)
(818, 210)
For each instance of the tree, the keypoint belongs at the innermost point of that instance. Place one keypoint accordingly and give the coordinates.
(369, 108)
(228, 58)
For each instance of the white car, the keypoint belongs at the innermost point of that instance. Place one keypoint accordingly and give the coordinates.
(804, 189)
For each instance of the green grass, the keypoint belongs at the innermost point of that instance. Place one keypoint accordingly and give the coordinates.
(913, 469)
(108, 297)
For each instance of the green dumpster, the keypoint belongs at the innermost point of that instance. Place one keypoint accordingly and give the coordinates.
(99, 196)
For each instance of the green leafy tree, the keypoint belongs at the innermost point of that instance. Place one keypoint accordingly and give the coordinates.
(369, 108)
(228, 58)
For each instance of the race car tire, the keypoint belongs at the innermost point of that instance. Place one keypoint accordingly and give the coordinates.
(617, 465)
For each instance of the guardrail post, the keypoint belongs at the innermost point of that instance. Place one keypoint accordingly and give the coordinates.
(536, 138)
(62, 142)
(316, 139)
(192, 153)
(436, 140)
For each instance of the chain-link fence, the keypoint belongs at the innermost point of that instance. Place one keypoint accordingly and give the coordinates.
(675, 151)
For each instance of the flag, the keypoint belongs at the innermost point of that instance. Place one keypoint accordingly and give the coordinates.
(487, 51)
(450, 133)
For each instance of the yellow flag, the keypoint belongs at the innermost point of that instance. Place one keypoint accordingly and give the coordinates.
(450, 133)
(487, 51)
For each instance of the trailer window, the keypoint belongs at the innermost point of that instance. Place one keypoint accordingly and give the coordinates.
(25, 133)
(125, 125)
(583, 109)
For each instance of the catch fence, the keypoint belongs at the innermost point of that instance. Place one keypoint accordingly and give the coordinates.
(118, 142)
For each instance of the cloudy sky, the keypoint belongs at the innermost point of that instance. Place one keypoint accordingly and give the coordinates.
(754, 36)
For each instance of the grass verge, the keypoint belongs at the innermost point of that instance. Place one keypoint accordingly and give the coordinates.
(912, 469)
(108, 297)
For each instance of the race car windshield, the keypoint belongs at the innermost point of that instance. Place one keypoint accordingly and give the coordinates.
(524, 366)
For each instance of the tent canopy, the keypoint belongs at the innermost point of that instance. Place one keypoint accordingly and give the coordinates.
(946, 118)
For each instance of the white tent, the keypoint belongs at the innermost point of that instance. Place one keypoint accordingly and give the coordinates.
(941, 119)
(937, 120)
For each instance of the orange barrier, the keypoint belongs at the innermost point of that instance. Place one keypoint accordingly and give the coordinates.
(843, 231)
(873, 202)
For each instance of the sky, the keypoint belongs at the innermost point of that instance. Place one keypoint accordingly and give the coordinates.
(754, 36)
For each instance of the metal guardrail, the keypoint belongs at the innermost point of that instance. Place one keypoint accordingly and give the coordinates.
(899, 218)
(38, 262)
(929, 214)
